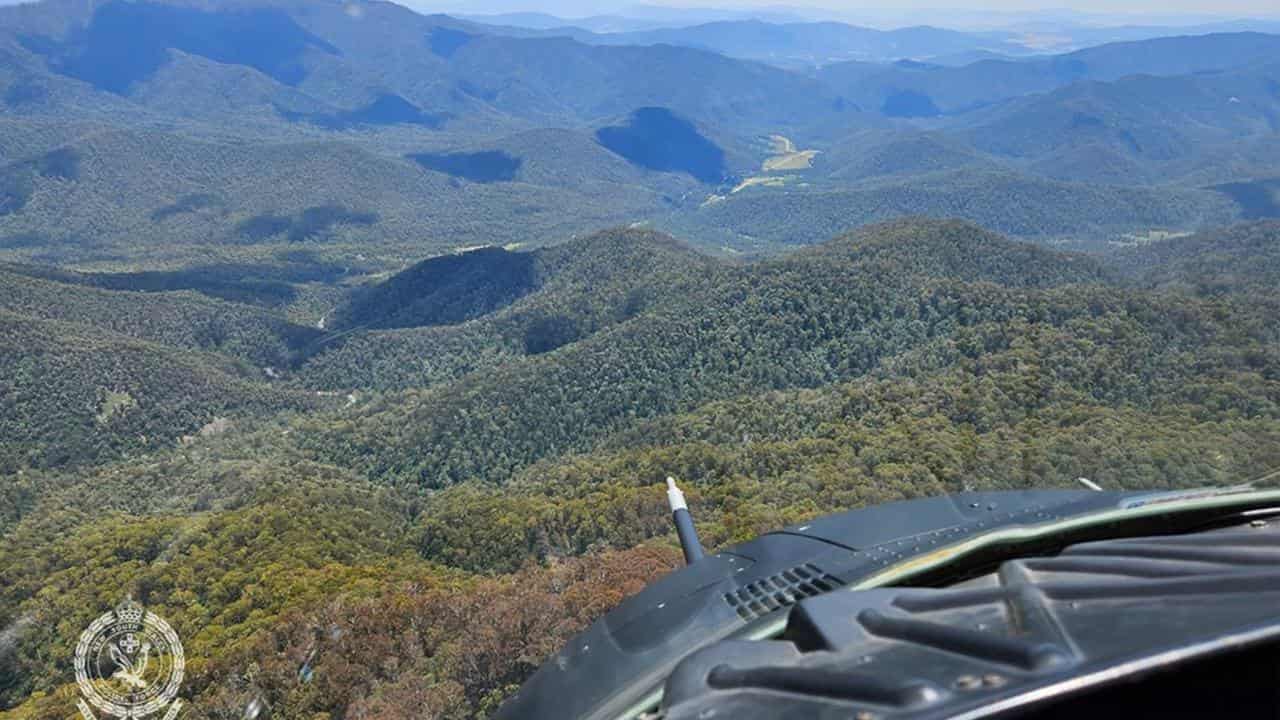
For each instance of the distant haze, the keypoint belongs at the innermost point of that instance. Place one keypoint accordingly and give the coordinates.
(933, 12)
(1087, 11)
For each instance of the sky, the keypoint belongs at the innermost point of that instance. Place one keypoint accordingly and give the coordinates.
(1115, 11)
(580, 8)
(1216, 7)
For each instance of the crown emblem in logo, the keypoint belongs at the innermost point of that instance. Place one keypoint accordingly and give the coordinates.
(130, 612)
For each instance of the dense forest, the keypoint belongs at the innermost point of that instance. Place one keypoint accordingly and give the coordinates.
(420, 502)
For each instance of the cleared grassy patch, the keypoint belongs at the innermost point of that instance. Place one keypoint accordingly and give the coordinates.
(786, 156)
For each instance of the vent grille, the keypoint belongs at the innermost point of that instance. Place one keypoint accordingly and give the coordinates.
(781, 590)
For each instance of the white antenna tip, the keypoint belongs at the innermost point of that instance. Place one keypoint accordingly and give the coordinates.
(1089, 484)
(675, 498)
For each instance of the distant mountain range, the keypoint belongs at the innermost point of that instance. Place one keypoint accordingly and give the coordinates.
(799, 41)
(173, 134)
(910, 89)
(806, 44)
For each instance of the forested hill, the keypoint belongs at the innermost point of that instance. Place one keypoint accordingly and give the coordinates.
(450, 289)
(77, 394)
(1241, 259)
(496, 474)
(805, 320)
(90, 374)
(188, 318)
(952, 250)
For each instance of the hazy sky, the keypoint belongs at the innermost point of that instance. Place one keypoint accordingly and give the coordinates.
(1216, 7)
(1136, 7)
(1141, 10)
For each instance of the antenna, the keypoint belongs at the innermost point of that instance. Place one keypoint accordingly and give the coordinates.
(1089, 484)
(684, 523)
